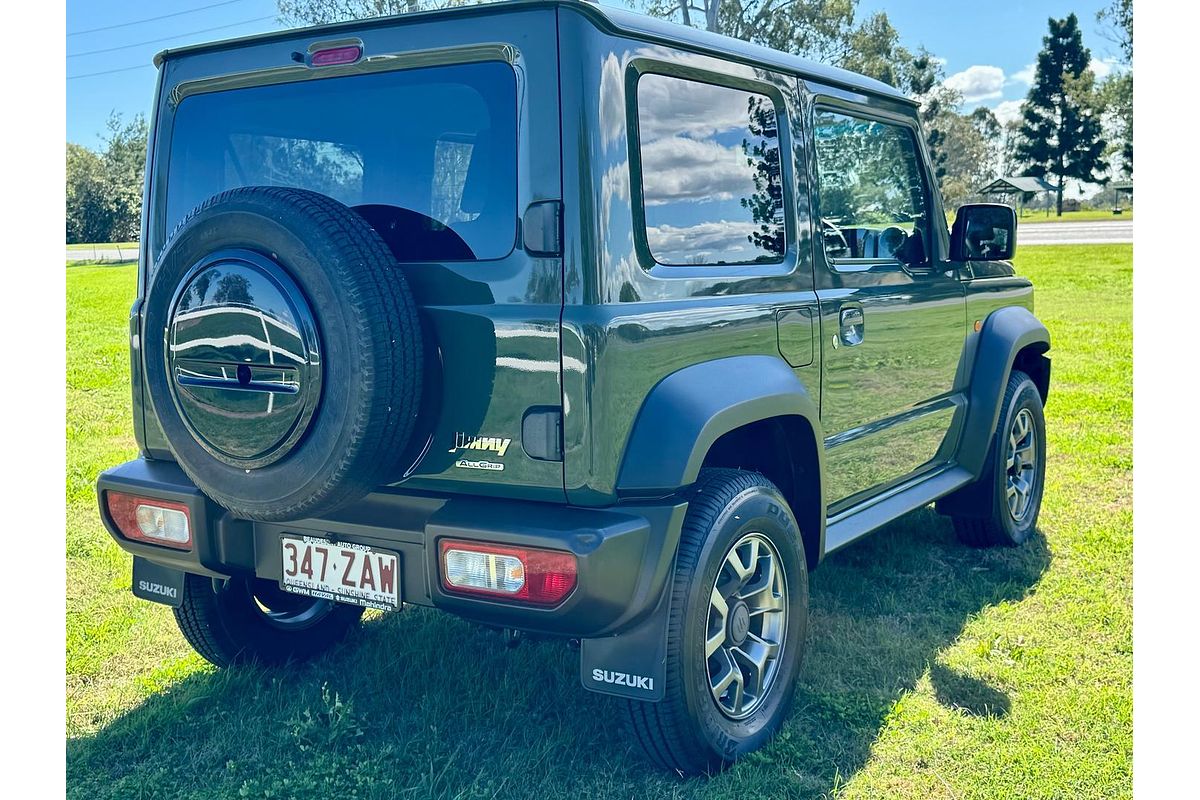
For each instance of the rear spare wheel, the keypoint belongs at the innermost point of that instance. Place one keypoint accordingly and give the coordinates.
(283, 352)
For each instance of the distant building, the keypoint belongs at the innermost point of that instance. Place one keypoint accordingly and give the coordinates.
(1017, 189)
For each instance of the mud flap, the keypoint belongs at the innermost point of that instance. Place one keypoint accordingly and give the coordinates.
(631, 664)
(157, 583)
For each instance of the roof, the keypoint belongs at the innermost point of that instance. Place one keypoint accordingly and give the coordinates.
(1017, 183)
(616, 20)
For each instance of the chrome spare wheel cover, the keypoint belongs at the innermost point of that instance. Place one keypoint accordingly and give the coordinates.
(1021, 466)
(243, 358)
(747, 623)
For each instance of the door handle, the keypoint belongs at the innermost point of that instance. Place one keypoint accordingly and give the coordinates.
(852, 325)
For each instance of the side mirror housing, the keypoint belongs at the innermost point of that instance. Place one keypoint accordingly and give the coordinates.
(984, 232)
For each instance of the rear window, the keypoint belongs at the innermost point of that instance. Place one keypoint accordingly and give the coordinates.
(428, 156)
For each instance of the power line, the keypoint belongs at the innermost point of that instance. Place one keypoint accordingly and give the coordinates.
(153, 19)
(108, 72)
(168, 38)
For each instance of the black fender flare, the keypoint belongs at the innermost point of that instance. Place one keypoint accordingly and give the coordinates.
(681, 418)
(687, 411)
(1006, 332)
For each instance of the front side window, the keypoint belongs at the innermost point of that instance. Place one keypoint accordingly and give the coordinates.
(873, 204)
(712, 187)
(427, 156)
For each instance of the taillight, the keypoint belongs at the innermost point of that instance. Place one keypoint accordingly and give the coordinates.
(335, 55)
(154, 521)
(524, 574)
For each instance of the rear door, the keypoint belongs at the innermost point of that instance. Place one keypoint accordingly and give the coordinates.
(442, 135)
(893, 316)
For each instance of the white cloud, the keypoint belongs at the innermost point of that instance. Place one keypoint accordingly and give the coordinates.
(612, 102)
(978, 82)
(728, 241)
(1024, 75)
(1103, 67)
(676, 168)
(669, 107)
(1008, 111)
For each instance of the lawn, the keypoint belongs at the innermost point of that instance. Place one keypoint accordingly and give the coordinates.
(933, 670)
(1083, 215)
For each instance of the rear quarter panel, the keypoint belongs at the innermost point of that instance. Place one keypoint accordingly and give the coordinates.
(627, 322)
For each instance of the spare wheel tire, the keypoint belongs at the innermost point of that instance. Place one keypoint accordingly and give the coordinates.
(283, 353)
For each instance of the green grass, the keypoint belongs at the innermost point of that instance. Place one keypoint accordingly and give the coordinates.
(1083, 215)
(933, 670)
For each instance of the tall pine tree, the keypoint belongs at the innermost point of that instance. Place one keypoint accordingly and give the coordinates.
(1060, 131)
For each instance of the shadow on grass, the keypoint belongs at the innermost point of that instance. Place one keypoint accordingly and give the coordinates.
(422, 704)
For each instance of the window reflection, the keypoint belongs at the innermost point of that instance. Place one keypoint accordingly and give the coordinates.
(427, 156)
(872, 198)
(711, 181)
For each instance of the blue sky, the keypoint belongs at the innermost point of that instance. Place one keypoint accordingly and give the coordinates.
(986, 45)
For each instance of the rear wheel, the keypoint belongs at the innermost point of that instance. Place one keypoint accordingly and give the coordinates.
(252, 619)
(736, 636)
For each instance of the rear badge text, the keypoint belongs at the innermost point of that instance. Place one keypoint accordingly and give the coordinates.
(489, 444)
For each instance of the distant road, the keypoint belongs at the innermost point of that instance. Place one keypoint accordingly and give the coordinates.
(1113, 231)
(1109, 231)
(103, 254)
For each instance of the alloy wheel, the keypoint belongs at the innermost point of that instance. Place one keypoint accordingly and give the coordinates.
(1021, 466)
(747, 623)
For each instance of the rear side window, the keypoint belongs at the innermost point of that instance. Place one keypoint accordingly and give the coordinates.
(712, 188)
(872, 200)
(428, 156)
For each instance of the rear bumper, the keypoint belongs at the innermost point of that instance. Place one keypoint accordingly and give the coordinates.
(624, 553)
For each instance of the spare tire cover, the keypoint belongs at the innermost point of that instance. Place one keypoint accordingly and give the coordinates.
(283, 353)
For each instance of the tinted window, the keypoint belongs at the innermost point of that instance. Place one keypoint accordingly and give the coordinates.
(428, 156)
(872, 197)
(711, 182)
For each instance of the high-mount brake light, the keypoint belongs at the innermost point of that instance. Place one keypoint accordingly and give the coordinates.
(524, 574)
(143, 519)
(332, 56)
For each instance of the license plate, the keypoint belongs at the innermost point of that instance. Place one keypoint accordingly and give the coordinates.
(350, 573)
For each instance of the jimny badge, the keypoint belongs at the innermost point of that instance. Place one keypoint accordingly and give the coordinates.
(487, 444)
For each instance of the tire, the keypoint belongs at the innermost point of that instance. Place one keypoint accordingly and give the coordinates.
(350, 345)
(995, 522)
(224, 622)
(692, 731)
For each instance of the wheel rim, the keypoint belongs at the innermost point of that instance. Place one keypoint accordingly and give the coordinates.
(285, 610)
(1021, 466)
(747, 622)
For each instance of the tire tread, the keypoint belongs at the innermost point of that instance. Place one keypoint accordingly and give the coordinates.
(661, 728)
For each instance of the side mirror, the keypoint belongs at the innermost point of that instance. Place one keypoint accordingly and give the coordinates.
(984, 232)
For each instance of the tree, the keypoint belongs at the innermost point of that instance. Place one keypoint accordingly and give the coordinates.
(124, 156)
(1060, 130)
(823, 30)
(1117, 20)
(1117, 90)
(1010, 162)
(104, 189)
(320, 12)
(762, 153)
(89, 215)
(1117, 95)
(970, 155)
(827, 31)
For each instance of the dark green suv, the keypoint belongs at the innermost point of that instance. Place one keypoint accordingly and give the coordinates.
(564, 320)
